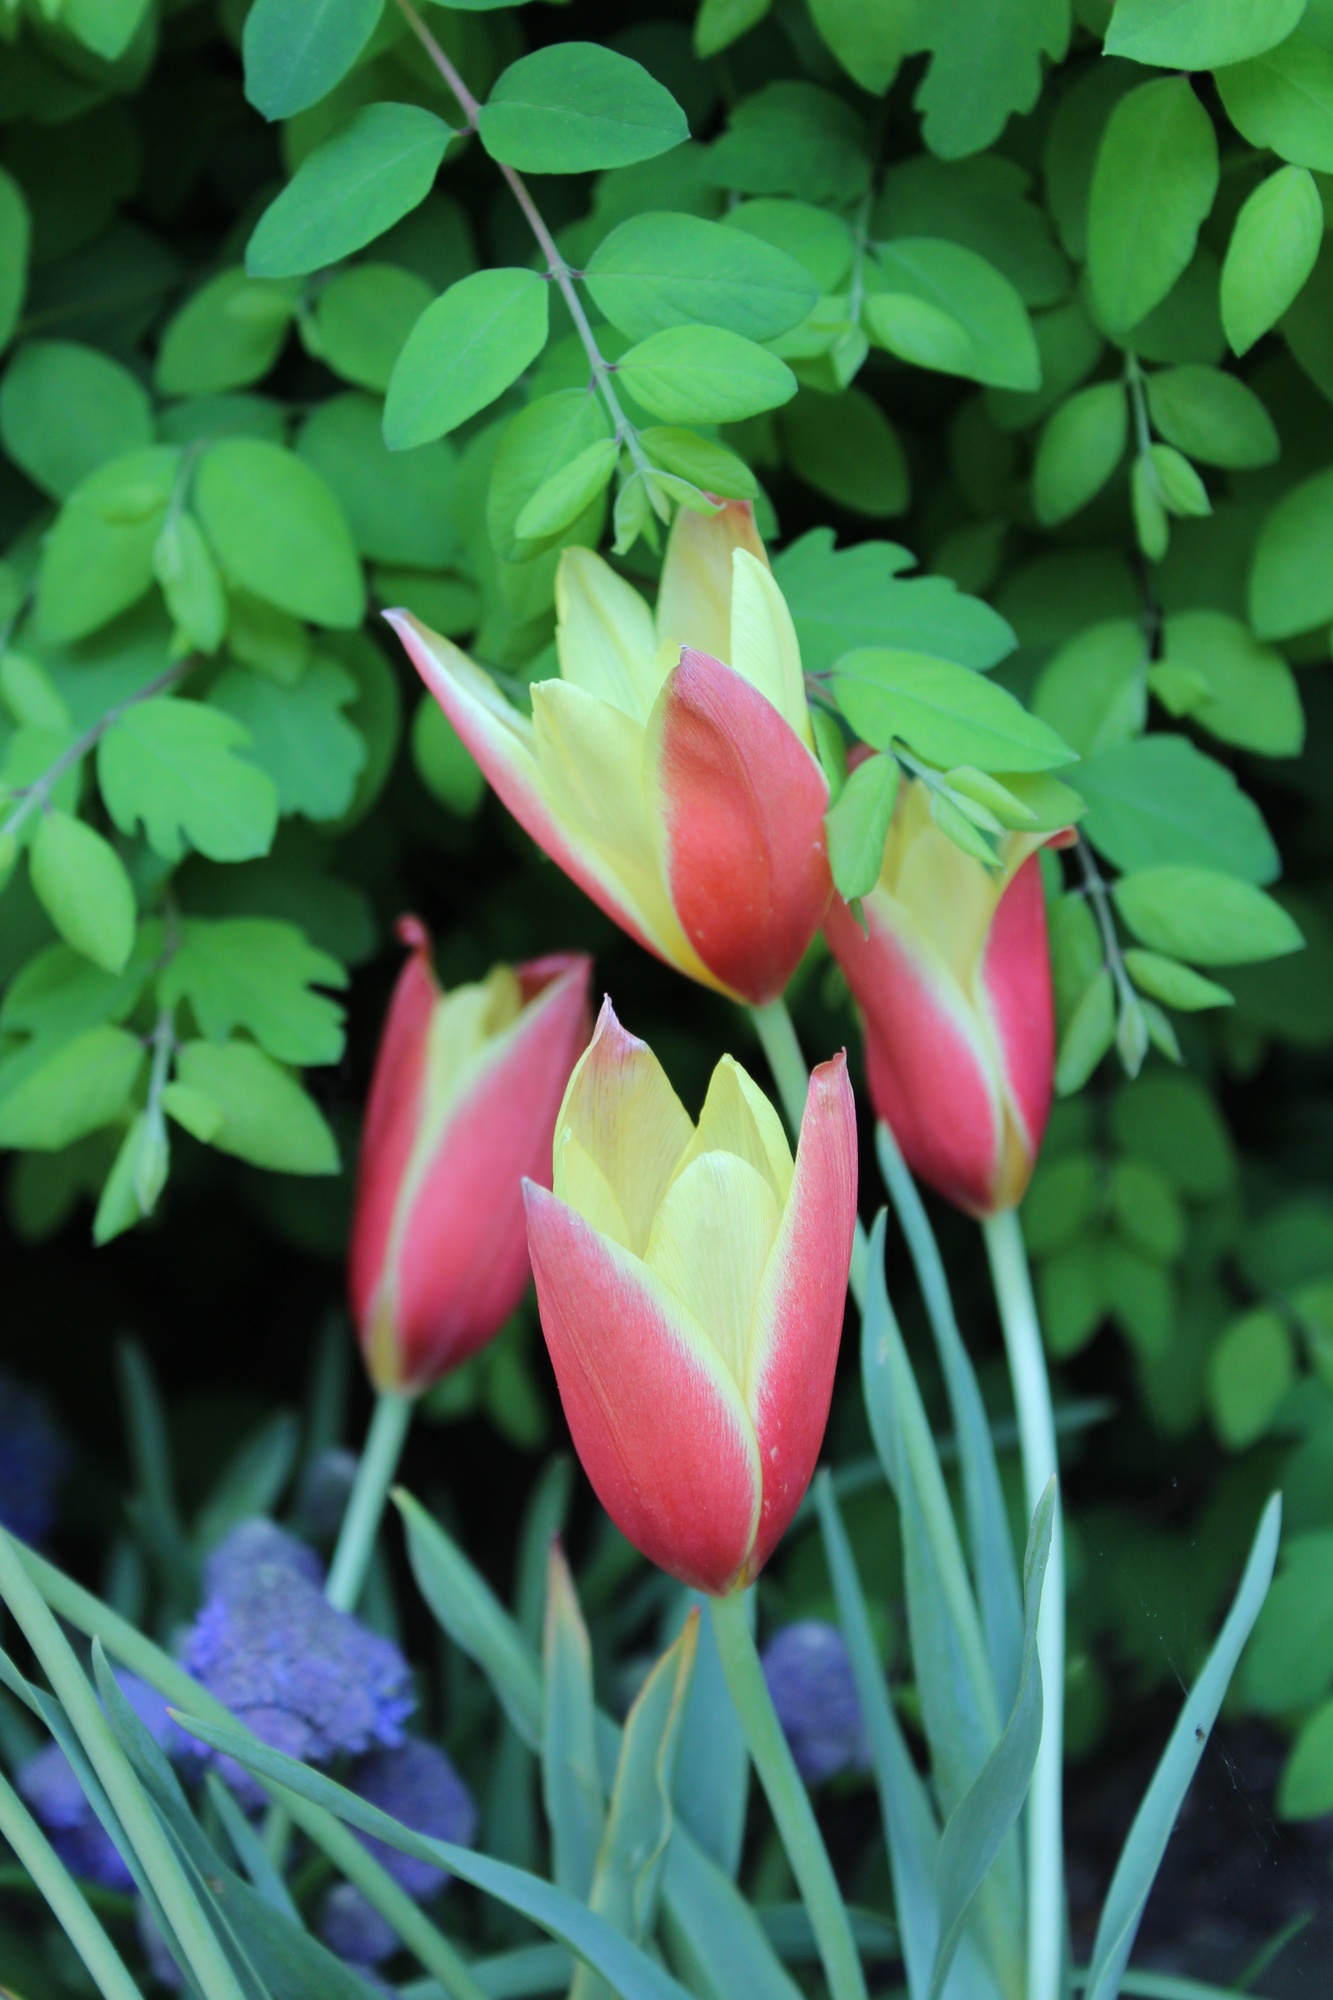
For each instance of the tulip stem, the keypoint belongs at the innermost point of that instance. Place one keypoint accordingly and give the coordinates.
(1036, 1433)
(787, 1798)
(777, 1035)
(370, 1489)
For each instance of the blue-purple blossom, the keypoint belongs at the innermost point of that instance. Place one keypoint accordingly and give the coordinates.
(810, 1678)
(34, 1458)
(253, 1545)
(353, 1928)
(308, 1680)
(418, 1785)
(48, 1783)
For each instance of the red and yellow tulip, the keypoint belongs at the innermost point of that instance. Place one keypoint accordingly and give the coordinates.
(670, 770)
(953, 981)
(462, 1107)
(691, 1283)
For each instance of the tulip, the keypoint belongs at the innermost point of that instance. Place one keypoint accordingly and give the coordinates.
(670, 771)
(462, 1106)
(953, 980)
(690, 1283)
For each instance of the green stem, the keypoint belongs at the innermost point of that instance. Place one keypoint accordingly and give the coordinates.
(374, 1477)
(61, 1893)
(1037, 1443)
(788, 1799)
(777, 1035)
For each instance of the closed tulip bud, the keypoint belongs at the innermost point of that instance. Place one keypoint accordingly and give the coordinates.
(691, 1283)
(670, 770)
(462, 1106)
(953, 979)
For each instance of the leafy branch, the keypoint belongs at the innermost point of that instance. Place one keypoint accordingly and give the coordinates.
(1132, 1026)
(36, 796)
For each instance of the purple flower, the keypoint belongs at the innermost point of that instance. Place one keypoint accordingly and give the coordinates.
(353, 1928)
(309, 1680)
(418, 1785)
(254, 1545)
(810, 1680)
(48, 1783)
(34, 1458)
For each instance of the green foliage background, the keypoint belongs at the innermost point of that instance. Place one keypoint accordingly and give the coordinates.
(1017, 323)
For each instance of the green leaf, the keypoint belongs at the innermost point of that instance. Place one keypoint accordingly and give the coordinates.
(792, 137)
(1306, 1790)
(255, 973)
(843, 598)
(1142, 1854)
(1088, 1034)
(704, 374)
(15, 233)
(571, 1775)
(348, 191)
(59, 993)
(946, 714)
(708, 464)
(1175, 481)
(1153, 184)
(296, 50)
(719, 23)
(538, 444)
(574, 107)
(463, 352)
(191, 586)
(1158, 799)
(1203, 916)
(198, 1115)
(298, 735)
(1274, 244)
(1174, 984)
(858, 826)
(1284, 100)
(174, 765)
(820, 241)
(81, 883)
(444, 763)
(363, 320)
(984, 204)
(1239, 690)
(399, 505)
(1198, 34)
(986, 64)
(1213, 417)
(1151, 526)
(66, 409)
(68, 1091)
(846, 448)
(869, 37)
(278, 531)
(137, 1178)
(98, 557)
(1291, 583)
(1079, 449)
(566, 494)
(660, 270)
(947, 308)
(267, 1118)
(1249, 1372)
(229, 334)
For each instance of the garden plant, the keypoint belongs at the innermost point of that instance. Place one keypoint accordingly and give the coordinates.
(666, 981)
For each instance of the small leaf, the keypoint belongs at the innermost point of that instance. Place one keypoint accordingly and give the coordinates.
(83, 1084)
(704, 374)
(1153, 184)
(278, 531)
(1274, 244)
(65, 409)
(1088, 1034)
(173, 765)
(567, 492)
(1198, 34)
(1213, 417)
(945, 713)
(81, 883)
(296, 50)
(659, 270)
(575, 107)
(255, 973)
(1291, 583)
(191, 586)
(463, 352)
(1208, 918)
(1176, 985)
(266, 1118)
(858, 826)
(1079, 449)
(345, 193)
(945, 307)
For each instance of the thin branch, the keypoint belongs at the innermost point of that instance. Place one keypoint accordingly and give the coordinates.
(36, 796)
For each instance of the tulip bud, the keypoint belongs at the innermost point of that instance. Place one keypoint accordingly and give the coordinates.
(670, 771)
(953, 978)
(691, 1285)
(462, 1106)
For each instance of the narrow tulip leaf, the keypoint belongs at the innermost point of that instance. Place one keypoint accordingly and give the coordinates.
(348, 191)
(712, 1763)
(716, 1941)
(576, 107)
(946, 714)
(660, 270)
(571, 1777)
(463, 352)
(1142, 1854)
(979, 1823)
(857, 825)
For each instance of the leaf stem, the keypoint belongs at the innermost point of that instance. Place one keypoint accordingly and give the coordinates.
(36, 796)
(788, 1798)
(1037, 1443)
(374, 1476)
(1094, 887)
(556, 265)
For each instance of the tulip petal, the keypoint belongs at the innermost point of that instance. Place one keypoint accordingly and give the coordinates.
(694, 601)
(764, 648)
(738, 1118)
(655, 1418)
(929, 1063)
(799, 1314)
(604, 634)
(504, 745)
(461, 1263)
(740, 816)
(1017, 983)
(710, 1244)
(621, 1113)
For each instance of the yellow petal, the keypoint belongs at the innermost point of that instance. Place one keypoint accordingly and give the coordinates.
(764, 647)
(622, 1114)
(694, 602)
(579, 1180)
(710, 1244)
(737, 1118)
(604, 634)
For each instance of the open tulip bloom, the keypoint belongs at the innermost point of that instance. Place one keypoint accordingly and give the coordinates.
(462, 1106)
(670, 771)
(953, 979)
(691, 1283)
